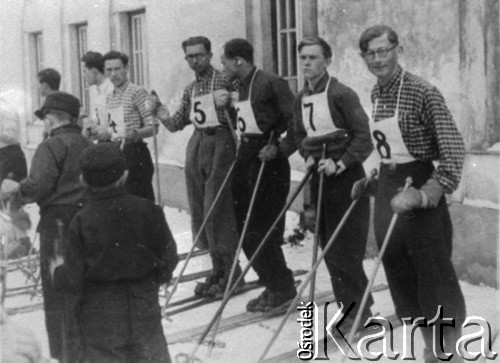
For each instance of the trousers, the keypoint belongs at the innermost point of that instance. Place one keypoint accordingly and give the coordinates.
(271, 196)
(121, 323)
(209, 157)
(60, 320)
(344, 260)
(417, 260)
(140, 170)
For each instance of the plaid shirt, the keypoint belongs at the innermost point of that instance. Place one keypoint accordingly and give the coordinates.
(202, 86)
(427, 126)
(132, 97)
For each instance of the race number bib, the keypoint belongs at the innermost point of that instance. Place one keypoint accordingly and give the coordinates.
(246, 122)
(116, 122)
(316, 115)
(202, 113)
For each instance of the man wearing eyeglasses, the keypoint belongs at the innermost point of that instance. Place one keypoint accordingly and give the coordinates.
(209, 156)
(328, 115)
(413, 128)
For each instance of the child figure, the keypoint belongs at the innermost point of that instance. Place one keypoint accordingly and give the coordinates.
(120, 249)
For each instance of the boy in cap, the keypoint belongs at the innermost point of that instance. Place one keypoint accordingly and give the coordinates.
(120, 249)
(53, 183)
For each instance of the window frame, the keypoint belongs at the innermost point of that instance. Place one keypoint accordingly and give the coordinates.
(38, 63)
(285, 29)
(137, 44)
(82, 48)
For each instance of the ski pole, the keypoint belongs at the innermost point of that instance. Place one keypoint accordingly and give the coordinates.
(388, 234)
(311, 273)
(233, 131)
(5, 224)
(155, 151)
(242, 237)
(250, 262)
(319, 201)
(197, 238)
(59, 250)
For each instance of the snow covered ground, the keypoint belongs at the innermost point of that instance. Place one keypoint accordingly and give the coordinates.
(246, 343)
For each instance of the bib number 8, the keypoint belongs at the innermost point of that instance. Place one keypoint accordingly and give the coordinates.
(311, 111)
(199, 112)
(383, 147)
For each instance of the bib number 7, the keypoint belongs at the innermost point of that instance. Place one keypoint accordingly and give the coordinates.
(311, 111)
(200, 116)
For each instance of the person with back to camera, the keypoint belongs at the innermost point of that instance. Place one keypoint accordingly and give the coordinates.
(120, 249)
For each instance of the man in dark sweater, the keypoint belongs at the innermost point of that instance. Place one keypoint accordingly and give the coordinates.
(328, 114)
(120, 249)
(264, 107)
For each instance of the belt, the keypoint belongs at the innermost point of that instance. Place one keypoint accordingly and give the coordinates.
(210, 131)
(256, 138)
(403, 167)
(127, 141)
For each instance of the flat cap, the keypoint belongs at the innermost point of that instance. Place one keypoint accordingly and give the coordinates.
(61, 101)
(102, 164)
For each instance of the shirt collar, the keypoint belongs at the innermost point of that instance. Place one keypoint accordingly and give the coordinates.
(121, 88)
(319, 86)
(392, 86)
(65, 128)
(107, 193)
(207, 76)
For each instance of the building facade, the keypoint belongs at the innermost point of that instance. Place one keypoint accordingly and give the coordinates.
(453, 44)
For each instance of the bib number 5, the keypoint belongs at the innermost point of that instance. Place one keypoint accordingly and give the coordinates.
(200, 116)
(311, 111)
(383, 147)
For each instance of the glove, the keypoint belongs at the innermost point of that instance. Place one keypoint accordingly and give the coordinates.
(364, 186)
(8, 188)
(406, 200)
(234, 97)
(328, 166)
(166, 120)
(431, 192)
(20, 219)
(268, 153)
(340, 167)
(221, 97)
(152, 103)
(89, 129)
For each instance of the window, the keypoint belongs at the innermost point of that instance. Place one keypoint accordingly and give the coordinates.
(37, 58)
(81, 43)
(138, 49)
(284, 34)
